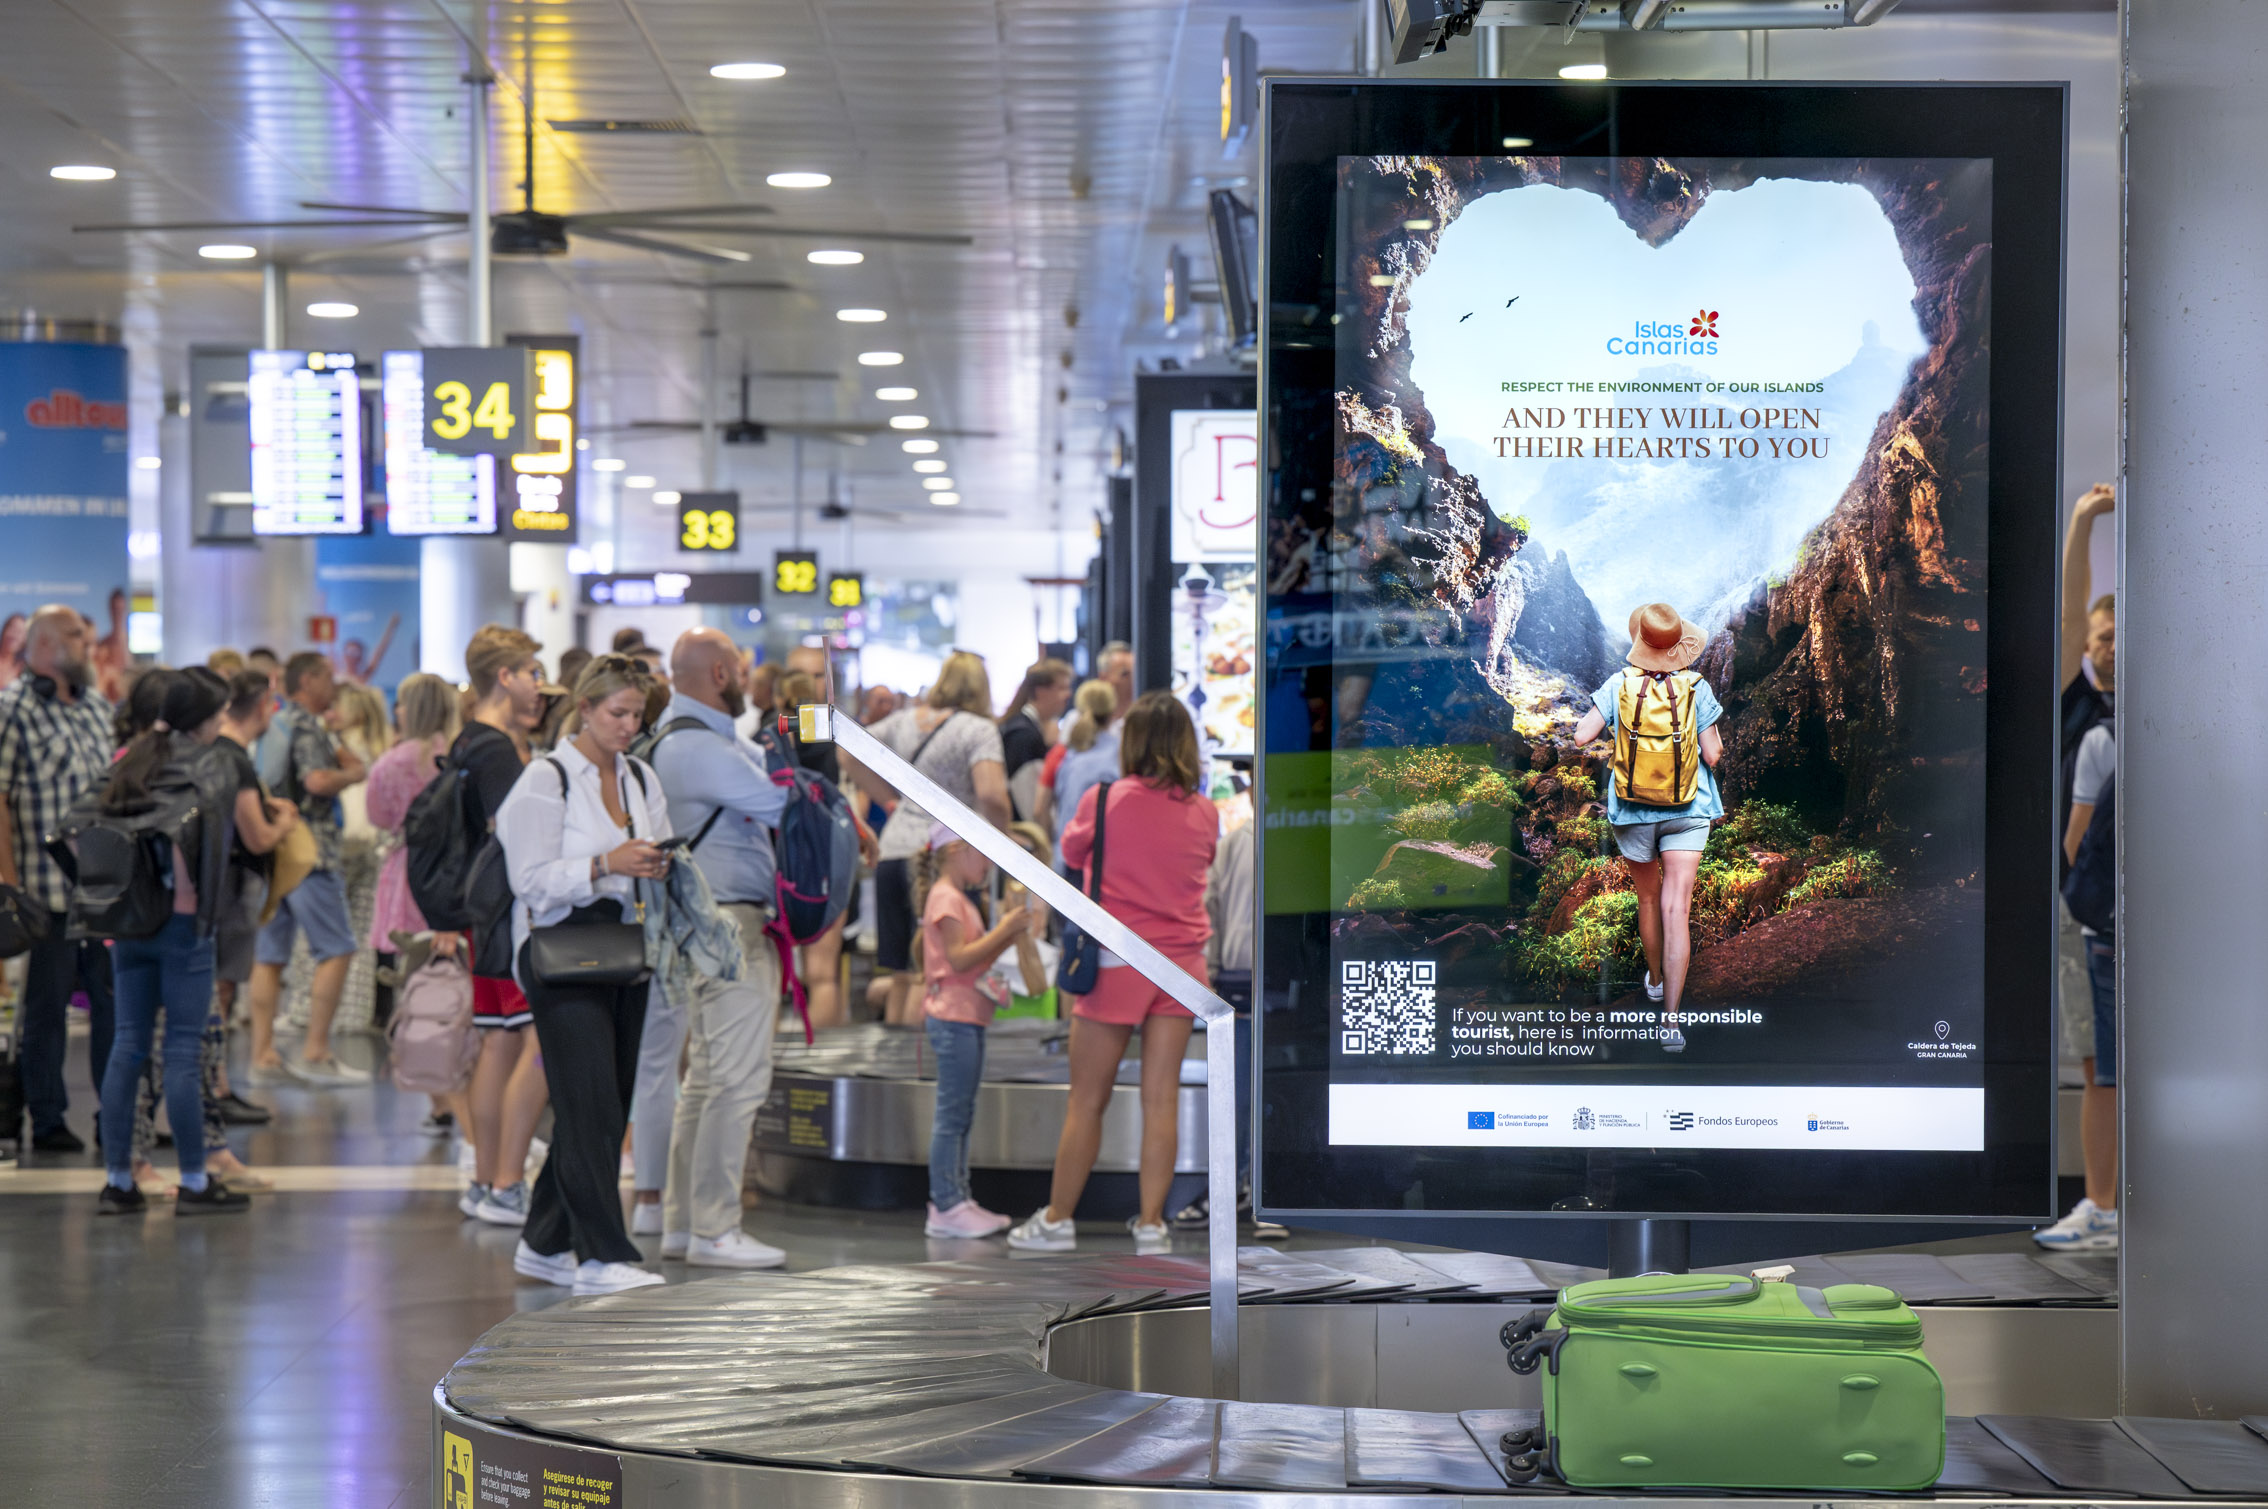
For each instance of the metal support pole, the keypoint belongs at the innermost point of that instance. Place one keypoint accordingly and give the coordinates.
(1371, 58)
(275, 314)
(796, 445)
(709, 390)
(1635, 1247)
(480, 316)
(820, 724)
(1488, 52)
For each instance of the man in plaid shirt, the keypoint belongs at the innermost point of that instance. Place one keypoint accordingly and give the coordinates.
(55, 745)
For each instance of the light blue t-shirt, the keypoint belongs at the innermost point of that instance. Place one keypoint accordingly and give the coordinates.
(1706, 803)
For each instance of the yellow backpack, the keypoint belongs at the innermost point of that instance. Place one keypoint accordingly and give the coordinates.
(1657, 738)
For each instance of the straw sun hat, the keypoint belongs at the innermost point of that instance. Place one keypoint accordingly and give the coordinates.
(1661, 640)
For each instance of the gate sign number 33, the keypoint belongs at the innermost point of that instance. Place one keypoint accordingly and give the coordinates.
(795, 573)
(477, 399)
(708, 521)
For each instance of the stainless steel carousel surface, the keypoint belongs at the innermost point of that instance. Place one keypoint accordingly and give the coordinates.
(1052, 1380)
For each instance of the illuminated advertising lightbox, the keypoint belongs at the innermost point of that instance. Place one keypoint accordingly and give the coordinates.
(1214, 534)
(305, 417)
(1641, 671)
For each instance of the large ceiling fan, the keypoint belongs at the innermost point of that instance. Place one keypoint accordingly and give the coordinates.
(530, 232)
(747, 430)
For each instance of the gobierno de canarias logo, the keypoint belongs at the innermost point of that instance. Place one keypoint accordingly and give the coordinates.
(1694, 337)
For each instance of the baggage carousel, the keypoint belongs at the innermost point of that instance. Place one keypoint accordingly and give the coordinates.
(847, 1122)
(1063, 1381)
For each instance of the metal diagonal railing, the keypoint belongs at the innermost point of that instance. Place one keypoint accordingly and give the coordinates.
(819, 723)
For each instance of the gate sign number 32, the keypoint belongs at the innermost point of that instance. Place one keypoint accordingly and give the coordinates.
(795, 573)
(477, 400)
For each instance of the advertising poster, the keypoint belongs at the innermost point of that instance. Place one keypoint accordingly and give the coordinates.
(1214, 538)
(62, 477)
(368, 585)
(1568, 388)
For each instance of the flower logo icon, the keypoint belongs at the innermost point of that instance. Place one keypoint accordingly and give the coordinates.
(1704, 323)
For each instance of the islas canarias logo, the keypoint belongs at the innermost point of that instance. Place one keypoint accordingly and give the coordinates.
(1694, 337)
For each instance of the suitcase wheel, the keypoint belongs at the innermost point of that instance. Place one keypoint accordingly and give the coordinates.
(1516, 1441)
(1516, 1331)
(1522, 1468)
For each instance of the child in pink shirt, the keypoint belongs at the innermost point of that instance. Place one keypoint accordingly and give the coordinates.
(957, 951)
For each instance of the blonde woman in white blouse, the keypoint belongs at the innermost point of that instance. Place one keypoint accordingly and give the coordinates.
(579, 833)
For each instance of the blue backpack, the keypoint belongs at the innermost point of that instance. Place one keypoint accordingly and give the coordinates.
(817, 850)
(2090, 890)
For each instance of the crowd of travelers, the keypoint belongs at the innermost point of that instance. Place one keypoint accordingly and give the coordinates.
(601, 895)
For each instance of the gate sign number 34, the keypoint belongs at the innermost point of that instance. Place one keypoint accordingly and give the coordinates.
(477, 400)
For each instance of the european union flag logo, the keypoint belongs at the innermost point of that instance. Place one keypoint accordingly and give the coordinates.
(1480, 1121)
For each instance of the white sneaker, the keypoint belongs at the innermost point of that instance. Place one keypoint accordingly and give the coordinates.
(674, 1244)
(1673, 1041)
(558, 1268)
(325, 1072)
(645, 1218)
(469, 1201)
(967, 1219)
(2089, 1228)
(1653, 987)
(507, 1206)
(735, 1249)
(1039, 1234)
(1158, 1238)
(613, 1278)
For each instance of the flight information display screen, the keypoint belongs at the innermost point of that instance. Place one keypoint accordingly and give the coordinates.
(1652, 727)
(428, 491)
(305, 418)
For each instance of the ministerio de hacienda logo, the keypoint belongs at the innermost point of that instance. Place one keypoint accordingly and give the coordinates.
(1694, 337)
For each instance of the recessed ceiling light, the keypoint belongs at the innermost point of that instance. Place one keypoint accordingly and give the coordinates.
(909, 421)
(835, 257)
(149, 463)
(582, 442)
(944, 500)
(862, 316)
(1583, 71)
(637, 481)
(880, 358)
(1515, 143)
(897, 395)
(83, 172)
(931, 465)
(746, 71)
(667, 498)
(608, 464)
(938, 484)
(798, 180)
(331, 310)
(228, 251)
(919, 447)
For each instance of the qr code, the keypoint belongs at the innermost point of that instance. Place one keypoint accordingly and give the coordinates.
(1386, 1007)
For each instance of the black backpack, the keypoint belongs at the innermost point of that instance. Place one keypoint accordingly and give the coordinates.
(120, 864)
(2090, 889)
(440, 838)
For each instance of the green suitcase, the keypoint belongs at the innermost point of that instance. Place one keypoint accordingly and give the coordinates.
(1707, 1381)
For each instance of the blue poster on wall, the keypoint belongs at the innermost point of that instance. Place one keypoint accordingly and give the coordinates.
(62, 477)
(367, 586)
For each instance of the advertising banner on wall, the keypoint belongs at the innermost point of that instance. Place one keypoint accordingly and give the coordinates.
(63, 467)
(1722, 424)
(368, 586)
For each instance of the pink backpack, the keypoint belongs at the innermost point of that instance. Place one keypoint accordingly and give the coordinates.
(434, 1043)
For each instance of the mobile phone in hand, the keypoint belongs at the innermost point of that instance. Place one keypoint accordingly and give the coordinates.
(673, 843)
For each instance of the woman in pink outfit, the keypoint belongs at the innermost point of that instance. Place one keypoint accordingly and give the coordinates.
(1157, 849)
(425, 722)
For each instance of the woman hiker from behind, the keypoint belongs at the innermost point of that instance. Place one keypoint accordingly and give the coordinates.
(1661, 789)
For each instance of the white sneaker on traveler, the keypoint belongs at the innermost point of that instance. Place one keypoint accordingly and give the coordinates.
(326, 1072)
(735, 1249)
(558, 1268)
(612, 1278)
(645, 1218)
(1653, 987)
(1157, 1238)
(967, 1219)
(2089, 1228)
(505, 1205)
(1039, 1234)
(469, 1201)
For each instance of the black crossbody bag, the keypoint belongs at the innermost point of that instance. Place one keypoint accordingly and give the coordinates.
(593, 946)
(1079, 971)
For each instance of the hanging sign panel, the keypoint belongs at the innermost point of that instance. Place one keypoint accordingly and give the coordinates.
(708, 521)
(305, 414)
(62, 476)
(541, 480)
(428, 491)
(478, 400)
(795, 573)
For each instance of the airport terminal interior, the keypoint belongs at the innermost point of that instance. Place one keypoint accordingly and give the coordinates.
(1089, 753)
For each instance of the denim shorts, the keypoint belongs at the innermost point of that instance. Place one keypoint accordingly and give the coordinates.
(1642, 843)
(2102, 974)
(316, 906)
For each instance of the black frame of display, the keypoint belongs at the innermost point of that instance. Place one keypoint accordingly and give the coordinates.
(1309, 125)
